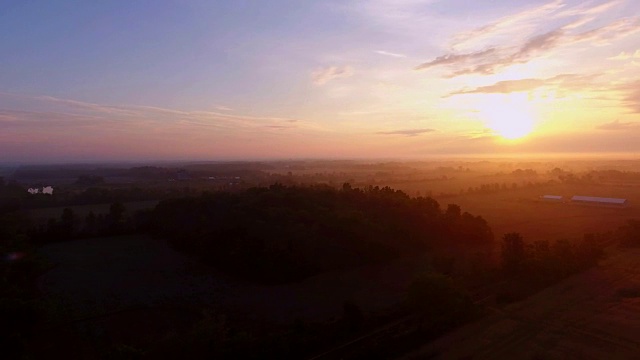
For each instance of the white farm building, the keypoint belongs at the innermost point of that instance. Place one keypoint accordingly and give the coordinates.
(602, 201)
(551, 198)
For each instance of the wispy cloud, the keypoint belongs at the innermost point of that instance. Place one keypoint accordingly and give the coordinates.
(72, 113)
(631, 95)
(626, 55)
(322, 76)
(408, 132)
(387, 53)
(514, 23)
(607, 34)
(454, 59)
(48, 120)
(538, 43)
(617, 125)
(66, 128)
(518, 46)
(280, 127)
(565, 81)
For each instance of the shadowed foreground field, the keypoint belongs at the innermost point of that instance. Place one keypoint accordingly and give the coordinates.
(592, 315)
(105, 275)
(101, 275)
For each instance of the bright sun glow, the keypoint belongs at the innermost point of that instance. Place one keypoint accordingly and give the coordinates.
(511, 117)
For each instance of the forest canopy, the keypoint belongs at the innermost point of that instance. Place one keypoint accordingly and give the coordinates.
(284, 233)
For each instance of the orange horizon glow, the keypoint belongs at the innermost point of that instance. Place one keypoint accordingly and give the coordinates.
(538, 76)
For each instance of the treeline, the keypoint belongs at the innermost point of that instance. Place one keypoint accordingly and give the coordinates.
(595, 176)
(100, 195)
(501, 187)
(628, 235)
(529, 267)
(70, 226)
(284, 233)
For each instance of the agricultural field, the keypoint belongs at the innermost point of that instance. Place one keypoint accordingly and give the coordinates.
(511, 203)
(522, 211)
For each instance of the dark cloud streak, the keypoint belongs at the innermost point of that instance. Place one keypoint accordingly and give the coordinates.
(409, 132)
(564, 81)
(617, 125)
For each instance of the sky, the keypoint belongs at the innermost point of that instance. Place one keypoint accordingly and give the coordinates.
(285, 79)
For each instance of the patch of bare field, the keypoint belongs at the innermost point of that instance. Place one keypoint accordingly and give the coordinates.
(593, 315)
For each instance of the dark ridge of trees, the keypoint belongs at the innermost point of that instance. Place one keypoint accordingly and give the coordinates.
(99, 195)
(524, 173)
(118, 221)
(546, 262)
(12, 196)
(89, 180)
(529, 267)
(285, 233)
(628, 235)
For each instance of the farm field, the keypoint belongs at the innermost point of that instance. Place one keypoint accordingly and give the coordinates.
(522, 211)
(592, 315)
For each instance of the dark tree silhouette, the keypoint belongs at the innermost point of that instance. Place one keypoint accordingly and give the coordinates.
(513, 253)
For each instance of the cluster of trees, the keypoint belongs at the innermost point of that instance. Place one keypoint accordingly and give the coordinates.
(89, 180)
(628, 235)
(524, 173)
(616, 175)
(98, 195)
(539, 264)
(497, 187)
(491, 188)
(69, 226)
(595, 176)
(11, 195)
(284, 233)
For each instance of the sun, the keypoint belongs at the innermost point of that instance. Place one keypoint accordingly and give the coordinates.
(510, 117)
(513, 127)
